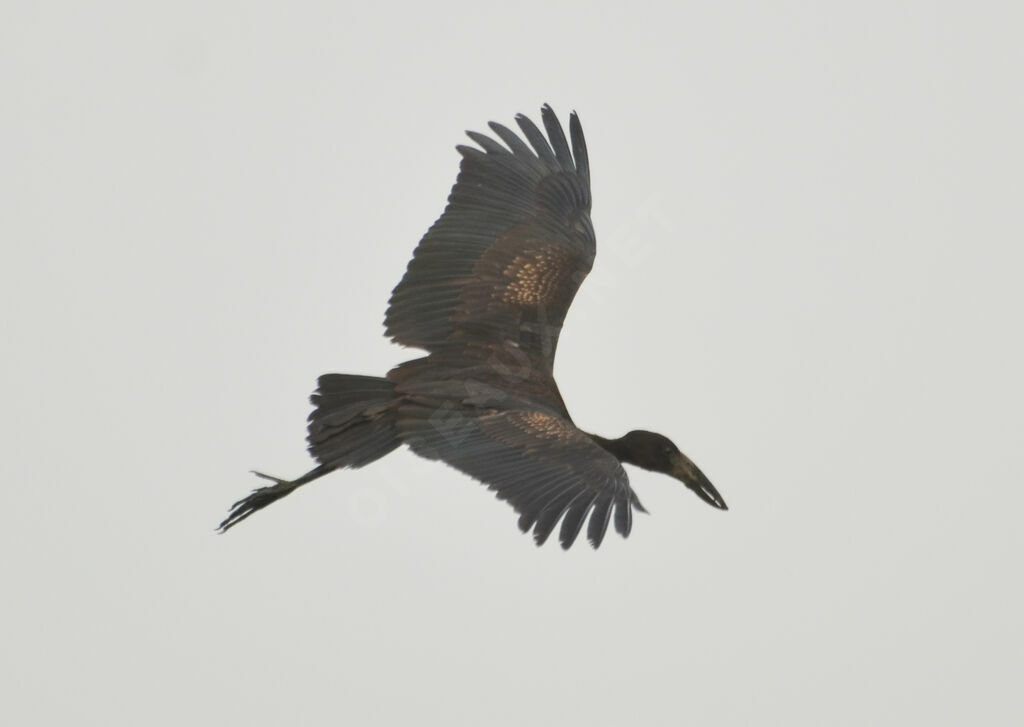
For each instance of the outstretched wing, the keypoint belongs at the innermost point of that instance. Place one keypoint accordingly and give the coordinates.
(505, 259)
(545, 467)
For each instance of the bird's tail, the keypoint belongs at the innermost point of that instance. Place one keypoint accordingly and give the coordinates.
(352, 424)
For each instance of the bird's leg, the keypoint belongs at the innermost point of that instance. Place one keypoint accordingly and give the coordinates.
(263, 496)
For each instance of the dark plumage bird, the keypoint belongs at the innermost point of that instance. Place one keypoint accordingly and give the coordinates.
(485, 294)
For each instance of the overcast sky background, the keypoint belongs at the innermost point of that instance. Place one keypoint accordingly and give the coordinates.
(809, 235)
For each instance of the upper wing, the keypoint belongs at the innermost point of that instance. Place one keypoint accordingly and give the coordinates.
(505, 259)
(545, 467)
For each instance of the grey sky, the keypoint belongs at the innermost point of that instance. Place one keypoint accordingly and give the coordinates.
(808, 276)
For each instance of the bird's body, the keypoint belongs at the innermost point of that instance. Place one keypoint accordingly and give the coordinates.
(486, 294)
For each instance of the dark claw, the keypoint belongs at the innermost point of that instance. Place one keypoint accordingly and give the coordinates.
(256, 500)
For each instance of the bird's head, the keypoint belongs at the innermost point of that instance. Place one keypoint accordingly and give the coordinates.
(657, 453)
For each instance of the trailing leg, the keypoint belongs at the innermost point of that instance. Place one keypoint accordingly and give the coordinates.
(263, 496)
(352, 424)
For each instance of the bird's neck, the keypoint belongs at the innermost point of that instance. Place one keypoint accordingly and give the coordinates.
(616, 446)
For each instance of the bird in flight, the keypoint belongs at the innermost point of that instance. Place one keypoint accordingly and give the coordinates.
(485, 294)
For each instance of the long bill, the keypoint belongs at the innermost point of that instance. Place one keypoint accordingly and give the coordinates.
(684, 470)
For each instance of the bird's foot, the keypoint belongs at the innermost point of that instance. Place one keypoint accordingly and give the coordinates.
(257, 500)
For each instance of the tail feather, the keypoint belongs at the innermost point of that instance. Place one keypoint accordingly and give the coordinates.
(353, 422)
